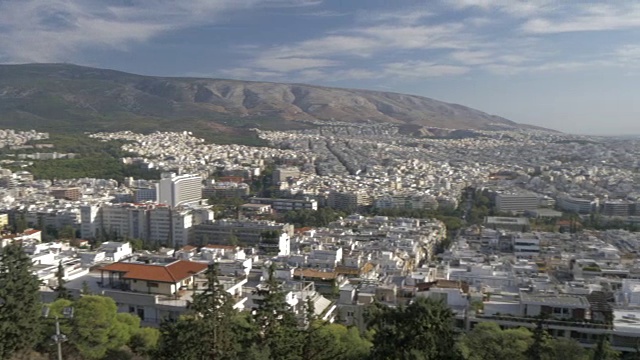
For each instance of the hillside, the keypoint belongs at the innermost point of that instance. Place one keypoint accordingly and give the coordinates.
(61, 97)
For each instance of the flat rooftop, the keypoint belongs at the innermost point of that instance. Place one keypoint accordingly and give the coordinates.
(555, 300)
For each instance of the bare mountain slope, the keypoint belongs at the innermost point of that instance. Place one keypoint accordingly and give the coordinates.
(65, 97)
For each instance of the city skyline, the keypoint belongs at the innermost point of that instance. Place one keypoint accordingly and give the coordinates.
(570, 67)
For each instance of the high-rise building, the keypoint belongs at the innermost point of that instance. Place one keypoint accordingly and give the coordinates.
(175, 190)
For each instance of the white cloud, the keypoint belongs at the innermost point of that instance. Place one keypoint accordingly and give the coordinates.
(515, 8)
(54, 30)
(472, 57)
(591, 17)
(628, 54)
(420, 69)
(292, 63)
(409, 16)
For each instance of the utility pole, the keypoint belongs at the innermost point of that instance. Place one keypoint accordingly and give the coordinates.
(58, 337)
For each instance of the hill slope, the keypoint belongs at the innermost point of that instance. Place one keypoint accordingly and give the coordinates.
(68, 97)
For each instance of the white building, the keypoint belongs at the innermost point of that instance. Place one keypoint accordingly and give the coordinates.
(175, 190)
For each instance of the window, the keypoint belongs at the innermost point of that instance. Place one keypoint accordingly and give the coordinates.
(152, 284)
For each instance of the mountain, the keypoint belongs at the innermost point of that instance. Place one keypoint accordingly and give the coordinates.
(63, 97)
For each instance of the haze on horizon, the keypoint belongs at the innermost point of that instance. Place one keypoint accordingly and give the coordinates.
(570, 66)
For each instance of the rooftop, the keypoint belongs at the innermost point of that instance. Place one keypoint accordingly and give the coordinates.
(169, 273)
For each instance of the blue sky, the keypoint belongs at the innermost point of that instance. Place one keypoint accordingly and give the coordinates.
(568, 65)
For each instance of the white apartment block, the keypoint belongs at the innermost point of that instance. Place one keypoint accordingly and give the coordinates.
(175, 190)
(157, 224)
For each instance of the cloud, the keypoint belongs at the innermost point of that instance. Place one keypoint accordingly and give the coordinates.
(409, 16)
(628, 54)
(472, 57)
(292, 63)
(591, 17)
(421, 69)
(54, 30)
(514, 8)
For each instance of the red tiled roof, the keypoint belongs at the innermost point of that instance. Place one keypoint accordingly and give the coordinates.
(171, 273)
(303, 229)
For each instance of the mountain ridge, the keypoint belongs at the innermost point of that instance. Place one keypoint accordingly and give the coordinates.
(65, 96)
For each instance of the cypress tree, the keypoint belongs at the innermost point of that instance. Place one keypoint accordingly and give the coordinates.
(276, 322)
(207, 330)
(540, 348)
(214, 309)
(61, 290)
(20, 306)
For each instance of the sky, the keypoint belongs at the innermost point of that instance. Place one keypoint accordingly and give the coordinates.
(569, 65)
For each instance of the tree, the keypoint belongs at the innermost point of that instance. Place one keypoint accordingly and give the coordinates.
(20, 313)
(179, 337)
(488, 342)
(214, 310)
(540, 348)
(422, 330)
(67, 232)
(604, 351)
(61, 291)
(209, 322)
(144, 341)
(276, 323)
(96, 326)
(567, 349)
(85, 288)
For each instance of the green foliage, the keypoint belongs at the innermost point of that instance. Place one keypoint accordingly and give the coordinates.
(97, 331)
(488, 342)
(144, 341)
(97, 328)
(540, 347)
(603, 350)
(209, 320)
(97, 159)
(20, 314)
(276, 323)
(422, 330)
(61, 290)
(67, 232)
(318, 218)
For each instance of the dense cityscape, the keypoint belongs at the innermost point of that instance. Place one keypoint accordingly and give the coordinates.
(520, 229)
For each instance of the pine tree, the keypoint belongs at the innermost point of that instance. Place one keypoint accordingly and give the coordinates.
(214, 310)
(318, 344)
(421, 330)
(540, 348)
(61, 290)
(276, 322)
(604, 351)
(20, 321)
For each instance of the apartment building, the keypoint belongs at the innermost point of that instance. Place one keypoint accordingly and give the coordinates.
(348, 200)
(265, 234)
(175, 190)
(67, 193)
(526, 246)
(156, 224)
(286, 204)
(226, 190)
